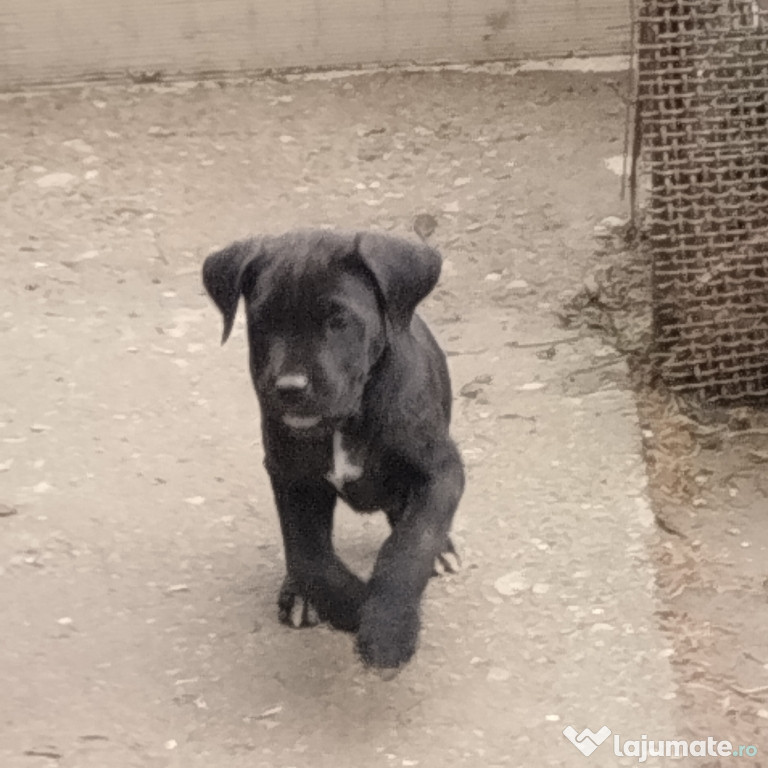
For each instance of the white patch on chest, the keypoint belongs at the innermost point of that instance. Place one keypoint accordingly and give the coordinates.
(343, 470)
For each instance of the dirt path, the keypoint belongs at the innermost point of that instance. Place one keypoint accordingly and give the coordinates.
(140, 553)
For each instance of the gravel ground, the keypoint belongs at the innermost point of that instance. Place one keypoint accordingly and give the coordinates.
(140, 554)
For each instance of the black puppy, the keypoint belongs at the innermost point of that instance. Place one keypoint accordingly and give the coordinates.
(356, 402)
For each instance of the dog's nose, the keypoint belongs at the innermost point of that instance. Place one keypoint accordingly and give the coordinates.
(294, 382)
(292, 389)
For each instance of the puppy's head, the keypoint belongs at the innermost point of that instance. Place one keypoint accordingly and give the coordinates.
(321, 308)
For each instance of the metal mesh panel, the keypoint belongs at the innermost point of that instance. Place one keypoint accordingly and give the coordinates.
(703, 131)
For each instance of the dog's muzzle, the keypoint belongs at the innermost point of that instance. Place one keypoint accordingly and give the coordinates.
(292, 392)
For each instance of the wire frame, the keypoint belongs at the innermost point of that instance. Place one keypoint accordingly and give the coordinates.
(702, 137)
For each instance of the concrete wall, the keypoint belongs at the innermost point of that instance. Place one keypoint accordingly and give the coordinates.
(59, 40)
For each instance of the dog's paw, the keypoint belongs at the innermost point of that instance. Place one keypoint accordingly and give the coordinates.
(295, 610)
(448, 561)
(387, 637)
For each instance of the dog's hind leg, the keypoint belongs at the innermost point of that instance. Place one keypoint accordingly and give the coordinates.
(447, 560)
(318, 586)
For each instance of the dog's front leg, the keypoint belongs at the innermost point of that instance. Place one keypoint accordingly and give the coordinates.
(390, 621)
(318, 586)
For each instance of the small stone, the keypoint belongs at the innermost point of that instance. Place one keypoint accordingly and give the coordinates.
(40, 428)
(8, 511)
(552, 718)
(42, 487)
(493, 277)
(451, 207)
(201, 703)
(511, 583)
(471, 389)
(176, 588)
(195, 500)
(65, 621)
(287, 139)
(615, 164)
(517, 285)
(613, 222)
(171, 744)
(424, 224)
(498, 675)
(669, 695)
(763, 713)
(51, 180)
(540, 589)
(531, 386)
(79, 146)
(462, 181)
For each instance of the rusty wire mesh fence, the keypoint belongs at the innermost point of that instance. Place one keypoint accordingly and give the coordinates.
(702, 143)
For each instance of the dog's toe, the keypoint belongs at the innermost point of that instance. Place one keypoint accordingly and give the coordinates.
(295, 610)
(447, 561)
(303, 613)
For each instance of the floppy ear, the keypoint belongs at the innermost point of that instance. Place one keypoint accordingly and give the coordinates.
(404, 271)
(223, 277)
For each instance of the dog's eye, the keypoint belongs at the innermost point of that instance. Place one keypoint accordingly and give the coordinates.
(337, 319)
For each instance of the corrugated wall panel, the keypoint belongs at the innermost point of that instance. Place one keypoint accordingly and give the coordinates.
(57, 40)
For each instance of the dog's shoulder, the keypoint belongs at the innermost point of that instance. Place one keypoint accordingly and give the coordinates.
(409, 402)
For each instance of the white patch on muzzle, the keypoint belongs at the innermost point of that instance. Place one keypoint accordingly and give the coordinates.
(301, 422)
